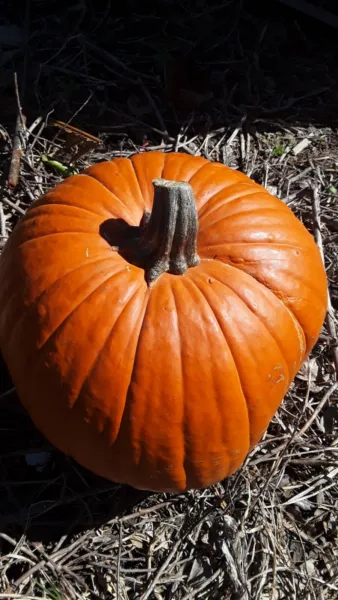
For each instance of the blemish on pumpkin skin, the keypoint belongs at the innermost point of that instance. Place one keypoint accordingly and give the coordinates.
(277, 375)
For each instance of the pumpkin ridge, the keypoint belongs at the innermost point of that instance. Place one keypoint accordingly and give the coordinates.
(211, 167)
(187, 159)
(276, 291)
(245, 402)
(138, 181)
(205, 166)
(107, 339)
(127, 184)
(252, 435)
(274, 245)
(90, 262)
(158, 175)
(256, 316)
(266, 246)
(103, 283)
(124, 418)
(184, 429)
(270, 289)
(139, 325)
(38, 298)
(197, 172)
(56, 233)
(116, 198)
(31, 214)
(240, 213)
(203, 212)
(71, 186)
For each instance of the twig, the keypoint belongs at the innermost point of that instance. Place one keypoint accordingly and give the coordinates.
(13, 206)
(172, 553)
(118, 569)
(18, 141)
(331, 327)
(317, 410)
(3, 232)
(204, 585)
(156, 111)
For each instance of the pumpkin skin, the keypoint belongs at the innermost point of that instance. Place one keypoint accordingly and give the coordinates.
(164, 387)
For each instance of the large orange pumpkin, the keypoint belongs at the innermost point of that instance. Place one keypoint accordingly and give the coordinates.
(154, 340)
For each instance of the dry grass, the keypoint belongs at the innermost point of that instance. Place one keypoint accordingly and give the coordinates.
(270, 531)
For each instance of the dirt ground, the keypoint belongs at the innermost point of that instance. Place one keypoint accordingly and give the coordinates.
(257, 90)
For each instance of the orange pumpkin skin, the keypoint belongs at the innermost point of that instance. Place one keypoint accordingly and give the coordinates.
(165, 387)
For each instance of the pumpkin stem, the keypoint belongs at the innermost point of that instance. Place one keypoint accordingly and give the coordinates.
(169, 233)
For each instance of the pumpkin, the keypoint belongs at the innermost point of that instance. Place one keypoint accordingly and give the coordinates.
(154, 311)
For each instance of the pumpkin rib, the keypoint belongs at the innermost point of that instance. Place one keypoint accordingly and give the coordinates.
(38, 211)
(244, 213)
(204, 213)
(116, 199)
(191, 467)
(107, 339)
(37, 299)
(182, 167)
(243, 395)
(138, 181)
(275, 290)
(198, 171)
(193, 281)
(119, 163)
(70, 186)
(118, 177)
(203, 198)
(256, 316)
(102, 284)
(252, 434)
(180, 176)
(91, 262)
(253, 212)
(140, 169)
(140, 321)
(281, 300)
(252, 243)
(297, 325)
(129, 397)
(184, 429)
(58, 233)
(225, 257)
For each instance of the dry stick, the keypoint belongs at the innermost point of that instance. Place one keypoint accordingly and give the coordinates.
(3, 233)
(191, 595)
(331, 327)
(18, 141)
(317, 410)
(173, 551)
(118, 570)
(17, 209)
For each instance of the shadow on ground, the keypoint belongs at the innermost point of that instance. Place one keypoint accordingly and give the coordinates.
(131, 71)
(59, 499)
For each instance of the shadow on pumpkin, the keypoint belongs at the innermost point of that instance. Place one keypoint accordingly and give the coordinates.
(124, 238)
(59, 498)
(119, 234)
